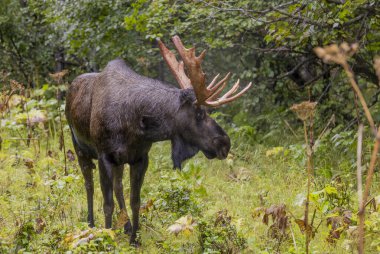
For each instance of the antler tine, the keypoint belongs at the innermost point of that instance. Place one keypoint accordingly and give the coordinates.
(177, 68)
(225, 99)
(221, 84)
(218, 88)
(202, 55)
(234, 88)
(213, 81)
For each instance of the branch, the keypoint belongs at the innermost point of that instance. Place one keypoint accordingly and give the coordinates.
(20, 60)
(354, 20)
(304, 19)
(295, 68)
(279, 49)
(245, 11)
(364, 69)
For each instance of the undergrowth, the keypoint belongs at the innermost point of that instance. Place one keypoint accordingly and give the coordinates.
(252, 202)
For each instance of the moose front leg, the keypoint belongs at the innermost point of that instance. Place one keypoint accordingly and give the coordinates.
(137, 173)
(106, 184)
(118, 188)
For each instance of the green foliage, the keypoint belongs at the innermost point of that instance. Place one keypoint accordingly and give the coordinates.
(102, 242)
(220, 236)
(25, 44)
(24, 236)
(337, 194)
(176, 199)
(269, 43)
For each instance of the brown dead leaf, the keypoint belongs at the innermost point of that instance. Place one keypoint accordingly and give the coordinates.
(280, 220)
(40, 225)
(58, 76)
(257, 212)
(339, 221)
(302, 226)
(29, 163)
(145, 208)
(239, 175)
(122, 218)
(222, 218)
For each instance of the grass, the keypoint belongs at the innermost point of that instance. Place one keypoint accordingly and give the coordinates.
(44, 211)
(40, 198)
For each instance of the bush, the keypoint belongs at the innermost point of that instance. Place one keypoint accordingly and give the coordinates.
(220, 236)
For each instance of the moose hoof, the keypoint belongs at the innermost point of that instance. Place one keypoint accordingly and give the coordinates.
(128, 228)
(91, 224)
(134, 242)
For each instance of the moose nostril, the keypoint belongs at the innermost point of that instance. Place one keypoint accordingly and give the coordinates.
(222, 142)
(222, 146)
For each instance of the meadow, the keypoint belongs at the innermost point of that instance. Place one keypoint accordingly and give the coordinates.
(252, 202)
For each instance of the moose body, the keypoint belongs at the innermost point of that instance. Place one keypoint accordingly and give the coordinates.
(117, 114)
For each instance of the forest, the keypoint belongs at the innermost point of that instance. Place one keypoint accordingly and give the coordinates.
(302, 172)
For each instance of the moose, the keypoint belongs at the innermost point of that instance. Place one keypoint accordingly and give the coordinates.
(115, 116)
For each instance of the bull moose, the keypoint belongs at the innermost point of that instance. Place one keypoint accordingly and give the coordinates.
(117, 114)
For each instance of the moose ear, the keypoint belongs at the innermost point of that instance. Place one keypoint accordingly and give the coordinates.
(181, 151)
(187, 96)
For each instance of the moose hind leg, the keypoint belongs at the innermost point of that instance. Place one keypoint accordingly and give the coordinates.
(118, 189)
(137, 173)
(106, 184)
(87, 167)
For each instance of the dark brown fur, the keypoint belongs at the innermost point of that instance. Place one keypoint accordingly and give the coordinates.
(116, 115)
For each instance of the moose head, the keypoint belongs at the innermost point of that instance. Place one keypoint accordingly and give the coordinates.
(195, 129)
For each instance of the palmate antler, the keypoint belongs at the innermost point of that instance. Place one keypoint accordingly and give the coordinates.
(195, 77)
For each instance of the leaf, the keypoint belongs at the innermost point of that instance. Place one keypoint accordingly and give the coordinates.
(302, 226)
(257, 212)
(15, 100)
(175, 229)
(82, 241)
(29, 163)
(122, 218)
(266, 219)
(184, 224)
(147, 206)
(40, 225)
(330, 190)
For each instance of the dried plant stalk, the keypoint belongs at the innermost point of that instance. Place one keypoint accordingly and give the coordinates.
(309, 153)
(360, 188)
(305, 111)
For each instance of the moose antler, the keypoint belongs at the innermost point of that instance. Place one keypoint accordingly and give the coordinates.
(195, 77)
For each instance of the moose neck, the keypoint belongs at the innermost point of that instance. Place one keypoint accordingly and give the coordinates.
(159, 125)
